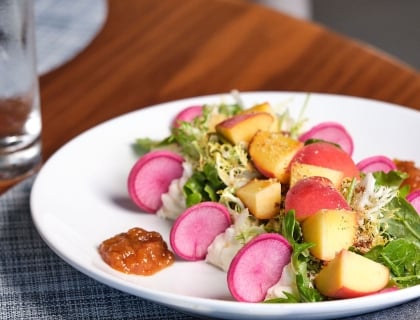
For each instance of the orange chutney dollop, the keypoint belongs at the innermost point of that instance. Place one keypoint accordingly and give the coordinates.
(137, 251)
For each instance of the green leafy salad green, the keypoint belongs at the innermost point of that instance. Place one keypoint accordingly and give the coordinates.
(390, 228)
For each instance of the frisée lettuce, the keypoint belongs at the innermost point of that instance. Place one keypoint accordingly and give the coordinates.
(388, 229)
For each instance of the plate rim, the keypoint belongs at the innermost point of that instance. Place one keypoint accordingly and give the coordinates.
(155, 295)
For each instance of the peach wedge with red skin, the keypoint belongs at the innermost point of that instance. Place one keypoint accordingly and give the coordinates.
(311, 194)
(242, 127)
(299, 171)
(261, 197)
(271, 153)
(350, 275)
(265, 107)
(327, 155)
(331, 231)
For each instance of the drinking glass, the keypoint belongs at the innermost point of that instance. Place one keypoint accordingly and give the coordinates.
(20, 119)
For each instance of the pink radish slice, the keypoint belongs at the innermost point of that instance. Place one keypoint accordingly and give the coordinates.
(390, 289)
(414, 199)
(151, 176)
(187, 115)
(376, 163)
(258, 266)
(331, 132)
(195, 229)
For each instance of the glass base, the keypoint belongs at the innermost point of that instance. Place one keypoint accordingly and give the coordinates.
(19, 164)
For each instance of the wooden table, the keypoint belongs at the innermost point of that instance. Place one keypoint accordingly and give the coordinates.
(149, 52)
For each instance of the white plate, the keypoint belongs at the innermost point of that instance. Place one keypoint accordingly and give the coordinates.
(79, 199)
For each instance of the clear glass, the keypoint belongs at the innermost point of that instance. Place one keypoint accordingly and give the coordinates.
(20, 119)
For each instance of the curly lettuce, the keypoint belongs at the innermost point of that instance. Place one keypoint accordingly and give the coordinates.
(389, 226)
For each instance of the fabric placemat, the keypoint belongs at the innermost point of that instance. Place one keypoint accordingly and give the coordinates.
(64, 28)
(36, 284)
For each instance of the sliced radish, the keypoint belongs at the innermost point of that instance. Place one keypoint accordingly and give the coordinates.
(376, 163)
(195, 229)
(414, 199)
(331, 132)
(187, 115)
(258, 266)
(151, 176)
(389, 289)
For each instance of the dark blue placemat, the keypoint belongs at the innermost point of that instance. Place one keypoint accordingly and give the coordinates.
(36, 284)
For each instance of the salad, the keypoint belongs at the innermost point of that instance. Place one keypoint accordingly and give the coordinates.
(284, 211)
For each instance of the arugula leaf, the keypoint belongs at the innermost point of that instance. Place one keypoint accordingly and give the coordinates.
(385, 213)
(142, 146)
(401, 225)
(402, 221)
(301, 260)
(391, 178)
(402, 258)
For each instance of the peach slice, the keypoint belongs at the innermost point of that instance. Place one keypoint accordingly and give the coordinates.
(350, 275)
(299, 171)
(242, 127)
(214, 120)
(261, 197)
(327, 155)
(271, 153)
(331, 231)
(309, 195)
(265, 107)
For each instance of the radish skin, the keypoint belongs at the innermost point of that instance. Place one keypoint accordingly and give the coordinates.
(151, 176)
(332, 132)
(389, 289)
(376, 163)
(187, 115)
(309, 195)
(258, 266)
(414, 199)
(326, 155)
(196, 228)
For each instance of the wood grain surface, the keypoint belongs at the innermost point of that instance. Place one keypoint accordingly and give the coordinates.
(153, 51)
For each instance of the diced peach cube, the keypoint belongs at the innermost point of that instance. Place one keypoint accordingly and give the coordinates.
(271, 153)
(300, 171)
(331, 231)
(261, 197)
(242, 127)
